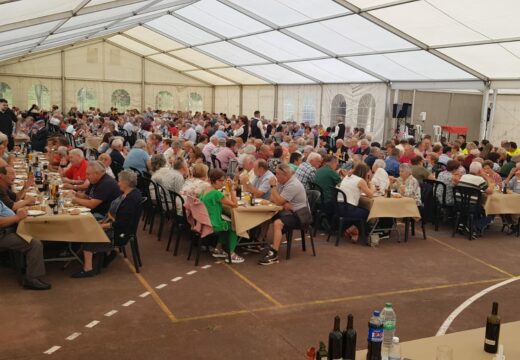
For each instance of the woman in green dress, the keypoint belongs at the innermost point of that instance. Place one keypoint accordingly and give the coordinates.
(213, 199)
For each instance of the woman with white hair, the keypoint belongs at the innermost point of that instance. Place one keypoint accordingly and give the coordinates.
(138, 158)
(380, 179)
(117, 148)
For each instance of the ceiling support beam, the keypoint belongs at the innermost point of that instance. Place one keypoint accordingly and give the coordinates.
(439, 85)
(409, 38)
(484, 113)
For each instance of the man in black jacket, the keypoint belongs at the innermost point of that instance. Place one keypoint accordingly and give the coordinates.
(39, 138)
(7, 121)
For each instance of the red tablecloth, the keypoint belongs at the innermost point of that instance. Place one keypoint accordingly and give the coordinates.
(454, 129)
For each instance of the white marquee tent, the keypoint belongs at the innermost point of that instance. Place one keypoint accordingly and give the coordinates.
(290, 57)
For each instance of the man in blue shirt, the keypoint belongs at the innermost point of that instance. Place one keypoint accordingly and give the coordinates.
(33, 250)
(392, 163)
(260, 186)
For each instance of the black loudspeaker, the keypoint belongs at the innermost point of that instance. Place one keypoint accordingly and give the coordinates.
(406, 111)
(396, 110)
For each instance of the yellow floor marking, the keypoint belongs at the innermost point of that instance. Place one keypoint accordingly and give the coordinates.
(471, 256)
(343, 299)
(152, 292)
(254, 286)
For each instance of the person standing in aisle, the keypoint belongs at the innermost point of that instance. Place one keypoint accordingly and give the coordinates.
(7, 121)
(257, 128)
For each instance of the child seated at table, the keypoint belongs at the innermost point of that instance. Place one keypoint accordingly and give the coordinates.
(213, 199)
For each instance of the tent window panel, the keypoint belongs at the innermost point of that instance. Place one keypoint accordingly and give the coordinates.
(195, 102)
(366, 113)
(86, 99)
(164, 100)
(338, 110)
(6, 92)
(121, 99)
(309, 110)
(39, 95)
(288, 109)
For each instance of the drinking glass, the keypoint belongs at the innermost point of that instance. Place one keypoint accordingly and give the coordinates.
(444, 352)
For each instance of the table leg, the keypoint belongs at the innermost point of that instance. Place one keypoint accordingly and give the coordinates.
(406, 226)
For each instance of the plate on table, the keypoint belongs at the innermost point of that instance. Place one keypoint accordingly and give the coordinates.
(21, 176)
(396, 195)
(33, 194)
(241, 202)
(35, 212)
(81, 209)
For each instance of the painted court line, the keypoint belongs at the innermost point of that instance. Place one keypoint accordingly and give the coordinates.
(91, 324)
(206, 266)
(447, 323)
(110, 313)
(191, 272)
(73, 336)
(52, 349)
(145, 294)
(161, 286)
(177, 279)
(128, 303)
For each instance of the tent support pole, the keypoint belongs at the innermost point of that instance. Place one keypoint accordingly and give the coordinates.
(489, 128)
(63, 81)
(143, 72)
(483, 114)
(275, 102)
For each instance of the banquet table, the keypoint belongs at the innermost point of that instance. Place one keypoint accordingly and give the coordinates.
(466, 345)
(245, 218)
(499, 203)
(383, 207)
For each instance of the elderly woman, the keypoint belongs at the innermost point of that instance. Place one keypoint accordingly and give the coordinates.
(117, 149)
(447, 177)
(171, 179)
(197, 183)
(487, 165)
(379, 179)
(120, 219)
(138, 158)
(353, 186)
(406, 184)
(419, 171)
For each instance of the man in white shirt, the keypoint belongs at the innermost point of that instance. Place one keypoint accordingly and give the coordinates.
(209, 147)
(188, 133)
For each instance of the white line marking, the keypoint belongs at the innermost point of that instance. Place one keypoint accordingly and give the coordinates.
(161, 286)
(206, 266)
(92, 324)
(298, 239)
(191, 272)
(218, 262)
(447, 323)
(110, 313)
(322, 234)
(128, 303)
(145, 294)
(52, 349)
(176, 279)
(73, 336)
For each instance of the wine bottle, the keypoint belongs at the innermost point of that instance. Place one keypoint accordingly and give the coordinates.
(335, 341)
(492, 331)
(349, 340)
(322, 352)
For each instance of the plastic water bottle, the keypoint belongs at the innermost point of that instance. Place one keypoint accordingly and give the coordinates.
(395, 350)
(389, 321)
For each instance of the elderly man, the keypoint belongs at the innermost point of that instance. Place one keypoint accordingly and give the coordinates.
(227, 153)
(478, 179)
(406, 184)
(188, 133)
(286, 191)
(39, 137)
(327, 177)
(307, 170)
(341, 151)
(379, 179)
(209, 147)
(76, 174)
(392, 162)
(33, 250)
(364, 147)
(260, 185)
(107, 161)
(13, 201)
(102, 190)
(373, 156)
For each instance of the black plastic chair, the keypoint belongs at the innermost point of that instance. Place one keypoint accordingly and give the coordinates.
(215, 162)
(318, 210)
(137, 171)
(439, 206)
(312, 198)
(179, 220)
(341, 221)
(116, 168)
(143, 184)
(162, 206)
(130, 237)
(466, 202)
(427, 196)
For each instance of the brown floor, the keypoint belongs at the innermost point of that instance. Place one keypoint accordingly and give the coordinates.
(251, 312)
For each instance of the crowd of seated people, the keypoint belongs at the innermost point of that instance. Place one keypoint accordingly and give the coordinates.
(277, 161)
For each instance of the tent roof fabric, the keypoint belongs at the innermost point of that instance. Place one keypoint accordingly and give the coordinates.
(230, 42)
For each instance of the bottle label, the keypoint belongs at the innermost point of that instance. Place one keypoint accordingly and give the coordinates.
(389, 325)
(490, 342)
(375, 334)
